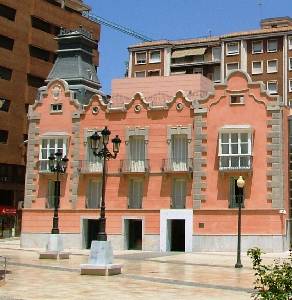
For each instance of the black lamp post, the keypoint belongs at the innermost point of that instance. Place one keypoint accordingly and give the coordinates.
(99, 142)
(240, 184)
(57, 164)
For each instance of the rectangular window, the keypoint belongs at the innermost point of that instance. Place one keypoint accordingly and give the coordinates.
(272, 87)
(289, 42)
(257, 67)
(56, 107)
(140, 58)
(290, 85)
(272, 66)
(216, 53)
(235, 150)
(179, 152)
(39, 53)
(257, 47)
(35, 81)
(236, 99)
(231, 67)
(135, 193)
(290, 63)
(94, 163)
(5, 73)
(216, 74)
(7, 12)
(48, 146)
(44, 26)
(140, 74)
(4, 104)
(94, 192)
(272, 45)
(236, 194)
(6, 42)
(153, 73)
(154, 56)
(198, 71)
(3, 136)
(178, 193)
(137, 153)
(232, 48)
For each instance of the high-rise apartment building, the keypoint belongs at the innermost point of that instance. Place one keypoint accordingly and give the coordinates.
(265, 54)
(27, 53)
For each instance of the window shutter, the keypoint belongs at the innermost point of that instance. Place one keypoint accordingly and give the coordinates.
(179, 193)
(135, 193)
(51, 194)
(179, 151)
(94, 194)
(137, 153)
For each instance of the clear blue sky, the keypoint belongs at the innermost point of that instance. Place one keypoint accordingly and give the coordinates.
(173, 19)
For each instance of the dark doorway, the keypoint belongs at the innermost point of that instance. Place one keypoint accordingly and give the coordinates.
(92, 229)
(177, 235)
(135, 234)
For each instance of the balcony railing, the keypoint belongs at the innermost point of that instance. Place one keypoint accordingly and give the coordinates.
(87, 167)
(133, 166)
(235, 163)
(174, 165)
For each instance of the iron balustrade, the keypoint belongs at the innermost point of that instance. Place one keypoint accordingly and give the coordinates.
(135, 166)
(235, 163)
(90, 167)
(173, 165)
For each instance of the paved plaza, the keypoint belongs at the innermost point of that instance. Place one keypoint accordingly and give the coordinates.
(145, 275)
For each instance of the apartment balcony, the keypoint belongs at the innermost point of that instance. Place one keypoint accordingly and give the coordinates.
(177, 166)
(90, 167)
(235, 163)
(194, 62)
(135, 167)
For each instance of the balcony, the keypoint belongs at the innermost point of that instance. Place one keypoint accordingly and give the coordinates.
(135, 167)
(177, 166)
(235, 163)
(90, 167)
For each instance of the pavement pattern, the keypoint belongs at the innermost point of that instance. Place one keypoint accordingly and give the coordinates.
(145, 275)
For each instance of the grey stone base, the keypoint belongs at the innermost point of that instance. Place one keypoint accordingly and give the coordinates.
(101, 270)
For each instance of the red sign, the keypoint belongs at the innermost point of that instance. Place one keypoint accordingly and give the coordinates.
(7, 210)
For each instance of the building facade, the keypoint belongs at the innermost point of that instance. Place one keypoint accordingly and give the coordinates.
(27, 53)
(185, 141)
(265, 54)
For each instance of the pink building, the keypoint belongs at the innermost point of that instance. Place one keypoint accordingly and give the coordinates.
(173, 185)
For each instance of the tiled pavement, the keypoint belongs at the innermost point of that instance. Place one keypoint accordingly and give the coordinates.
(145, 275)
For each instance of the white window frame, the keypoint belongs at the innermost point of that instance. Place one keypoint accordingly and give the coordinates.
(270, 41)
(136, 60)
(155, 61)
(247, 130)
(233, 52)
(269, 70)
(257, 42)
(44, 162)
(290, 85)
(242, 99)
(290, 63)
(231, 63)
(140, 72)
(253, 71)
(269, 82)
(58, 110)
(154, 71)
(290, 42)
(213, 56)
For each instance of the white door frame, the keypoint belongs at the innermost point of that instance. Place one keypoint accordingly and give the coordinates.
(124, 230)
(176, 214)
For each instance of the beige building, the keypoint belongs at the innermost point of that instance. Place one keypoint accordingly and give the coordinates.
(27, 53)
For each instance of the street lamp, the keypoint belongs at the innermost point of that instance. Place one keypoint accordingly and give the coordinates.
(57, 164)
(240, 184)
(99, 142)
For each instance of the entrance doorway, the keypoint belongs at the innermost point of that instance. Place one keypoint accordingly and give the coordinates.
(133, 230)
(90, 231)
(177, 235)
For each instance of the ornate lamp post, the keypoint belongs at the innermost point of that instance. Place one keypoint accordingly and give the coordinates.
(240, 184)
(57, 164)
(99, 143)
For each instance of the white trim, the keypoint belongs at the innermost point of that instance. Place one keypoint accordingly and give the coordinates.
(130, 68)
(53, 134)
(290, 63)
(140, 63)
(135, 74)
(252, 67)
(270, 41)
(290, 85)
(149, 56)
(272, 60)
(167, 60)
(272, 81)
(176, 214)
(252, 47)
(231, 63)
(243, 55)
(290, 42)
(230, 53)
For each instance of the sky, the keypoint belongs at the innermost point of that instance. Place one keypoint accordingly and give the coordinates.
(173, 20)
